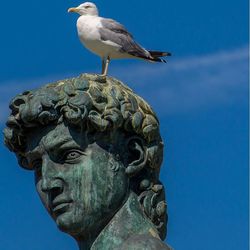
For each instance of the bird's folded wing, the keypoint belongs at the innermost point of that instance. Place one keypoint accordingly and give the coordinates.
(114, 26)
(117, 33)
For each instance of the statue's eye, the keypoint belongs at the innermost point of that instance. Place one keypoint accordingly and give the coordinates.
(72, 155)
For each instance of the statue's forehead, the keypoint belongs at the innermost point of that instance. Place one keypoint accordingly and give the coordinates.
(51, 137)
(58, 133)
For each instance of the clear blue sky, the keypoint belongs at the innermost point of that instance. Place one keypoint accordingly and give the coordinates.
(200, 96)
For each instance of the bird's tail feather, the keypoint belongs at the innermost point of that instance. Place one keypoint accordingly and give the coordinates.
(159, 53)
(149, 55)
(155, 56)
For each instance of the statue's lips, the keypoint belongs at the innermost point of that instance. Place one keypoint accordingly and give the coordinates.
(60, 207)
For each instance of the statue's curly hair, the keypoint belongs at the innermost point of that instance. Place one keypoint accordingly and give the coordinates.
(101, 105)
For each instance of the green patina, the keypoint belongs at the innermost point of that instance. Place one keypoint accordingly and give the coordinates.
(96, 151)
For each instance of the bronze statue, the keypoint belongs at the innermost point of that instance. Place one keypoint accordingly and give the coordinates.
(96, 151)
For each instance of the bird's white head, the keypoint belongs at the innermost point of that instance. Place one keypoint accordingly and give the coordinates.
(87, 8)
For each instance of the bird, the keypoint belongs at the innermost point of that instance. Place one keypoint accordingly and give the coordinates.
(108, 38)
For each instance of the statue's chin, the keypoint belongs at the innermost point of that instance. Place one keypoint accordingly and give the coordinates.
(68, 224)
(76, 226)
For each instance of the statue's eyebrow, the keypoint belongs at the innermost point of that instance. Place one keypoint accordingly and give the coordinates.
(51, 146)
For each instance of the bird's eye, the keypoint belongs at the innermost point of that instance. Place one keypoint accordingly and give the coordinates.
(87, 7)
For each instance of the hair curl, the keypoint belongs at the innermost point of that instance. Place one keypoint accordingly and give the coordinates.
(100, 105)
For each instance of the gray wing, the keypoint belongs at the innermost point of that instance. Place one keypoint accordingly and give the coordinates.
(114, 26)
(117, 33)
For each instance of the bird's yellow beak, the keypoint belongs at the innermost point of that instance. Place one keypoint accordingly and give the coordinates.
(72, 9)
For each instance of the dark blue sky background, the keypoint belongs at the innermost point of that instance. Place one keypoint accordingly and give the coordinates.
(200, 96)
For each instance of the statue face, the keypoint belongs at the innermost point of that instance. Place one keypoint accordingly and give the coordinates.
(81, 184)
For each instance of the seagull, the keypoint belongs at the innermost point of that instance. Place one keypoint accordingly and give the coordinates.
(109, 39)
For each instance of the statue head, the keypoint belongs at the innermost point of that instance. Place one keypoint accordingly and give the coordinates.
(91, 142)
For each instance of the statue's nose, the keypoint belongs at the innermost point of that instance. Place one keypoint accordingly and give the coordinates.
(52, 189)
(51, 183)
(55, 185)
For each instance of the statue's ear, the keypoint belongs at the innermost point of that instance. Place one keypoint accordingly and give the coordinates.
(137, 156)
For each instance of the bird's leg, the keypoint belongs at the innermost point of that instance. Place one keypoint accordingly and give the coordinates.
(103, 65)
(106, 66)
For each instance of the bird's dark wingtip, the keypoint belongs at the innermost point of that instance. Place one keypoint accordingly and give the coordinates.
(167, 54)
(159, 53)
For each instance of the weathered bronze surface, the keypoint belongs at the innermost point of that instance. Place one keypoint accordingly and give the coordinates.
(96, 151)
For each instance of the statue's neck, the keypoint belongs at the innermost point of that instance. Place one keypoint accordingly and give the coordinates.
(129, 220)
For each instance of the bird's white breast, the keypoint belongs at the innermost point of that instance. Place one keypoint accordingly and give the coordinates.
(87, 28)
